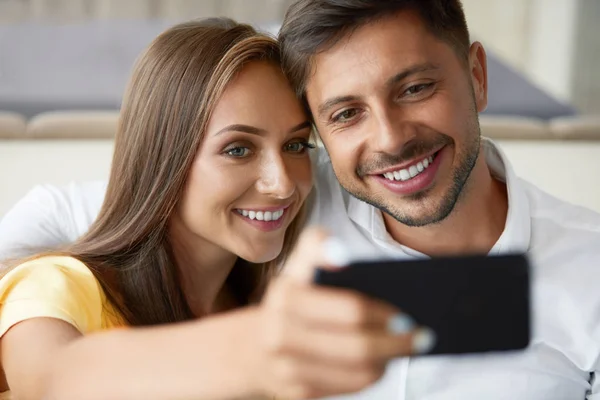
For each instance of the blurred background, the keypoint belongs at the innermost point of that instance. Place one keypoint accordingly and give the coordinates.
(64, 65)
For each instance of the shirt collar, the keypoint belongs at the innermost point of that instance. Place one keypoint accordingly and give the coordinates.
(517, 230)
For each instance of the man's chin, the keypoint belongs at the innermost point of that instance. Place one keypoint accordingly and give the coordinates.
(419, 220)
(424, 208)
(421, 212)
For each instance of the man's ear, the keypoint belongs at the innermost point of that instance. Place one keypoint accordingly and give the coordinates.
(478, 73)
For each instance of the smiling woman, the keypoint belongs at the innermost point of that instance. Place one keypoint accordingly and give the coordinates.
(205, 199)
(255, 161)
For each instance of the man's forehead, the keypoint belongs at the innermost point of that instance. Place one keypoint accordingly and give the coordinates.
(405, 27)
(372, 54)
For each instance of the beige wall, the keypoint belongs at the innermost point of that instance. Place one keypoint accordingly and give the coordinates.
(501, 25)
(553, 42)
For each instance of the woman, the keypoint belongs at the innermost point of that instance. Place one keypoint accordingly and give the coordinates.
(205, 200)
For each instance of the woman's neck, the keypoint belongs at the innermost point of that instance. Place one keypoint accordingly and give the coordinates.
(203, 269)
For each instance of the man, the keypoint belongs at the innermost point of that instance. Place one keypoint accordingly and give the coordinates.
(394, 87)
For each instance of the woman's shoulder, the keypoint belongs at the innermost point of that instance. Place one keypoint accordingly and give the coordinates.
(55, 262)
(53, 286)
(51, 270)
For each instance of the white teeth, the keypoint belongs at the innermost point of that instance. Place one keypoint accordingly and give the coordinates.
(411, 172)
(262, 215)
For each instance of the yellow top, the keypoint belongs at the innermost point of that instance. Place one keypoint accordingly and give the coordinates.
(55, 287)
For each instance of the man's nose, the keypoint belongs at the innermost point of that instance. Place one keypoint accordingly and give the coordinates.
(390, 132)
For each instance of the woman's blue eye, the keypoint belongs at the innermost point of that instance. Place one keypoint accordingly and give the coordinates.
(298, 147)
(238, 152)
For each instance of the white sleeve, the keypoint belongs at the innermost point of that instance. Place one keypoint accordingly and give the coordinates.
(49, 217)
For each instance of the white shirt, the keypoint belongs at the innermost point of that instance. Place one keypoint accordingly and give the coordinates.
(563, 242)
(49, 217)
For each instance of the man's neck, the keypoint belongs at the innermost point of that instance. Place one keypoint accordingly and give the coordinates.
(473, 227)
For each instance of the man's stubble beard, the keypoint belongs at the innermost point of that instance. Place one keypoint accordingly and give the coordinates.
(458, 188)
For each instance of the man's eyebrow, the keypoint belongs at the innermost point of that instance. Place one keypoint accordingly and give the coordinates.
(415, 69)
(327, 105)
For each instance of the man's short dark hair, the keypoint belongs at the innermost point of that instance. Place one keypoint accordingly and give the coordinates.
(311, 26)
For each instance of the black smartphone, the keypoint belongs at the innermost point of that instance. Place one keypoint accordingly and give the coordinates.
(474, 304)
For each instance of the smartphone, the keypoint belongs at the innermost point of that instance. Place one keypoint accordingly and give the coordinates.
(474, 304)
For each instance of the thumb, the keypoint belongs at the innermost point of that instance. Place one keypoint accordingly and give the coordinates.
(316, 248)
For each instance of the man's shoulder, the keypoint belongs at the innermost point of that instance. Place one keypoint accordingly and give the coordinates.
(550, 211)
(72, 192)
(77, 202)
(89, 189)
(565, 243)
(564, 251)
(49, 216)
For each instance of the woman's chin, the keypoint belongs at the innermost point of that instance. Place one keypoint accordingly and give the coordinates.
(259, 254)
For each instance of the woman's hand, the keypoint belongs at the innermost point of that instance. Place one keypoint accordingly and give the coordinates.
(314, 342)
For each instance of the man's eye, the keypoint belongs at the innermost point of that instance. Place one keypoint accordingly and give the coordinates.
(238, 152)
(345, 115)
(416, 89)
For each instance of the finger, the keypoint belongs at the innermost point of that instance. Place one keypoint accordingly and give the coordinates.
(315, 248)
(331, 307)
(356, 348)
(303, 379)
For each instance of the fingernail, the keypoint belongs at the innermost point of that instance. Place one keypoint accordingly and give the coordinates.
(335, 252)
(423, 341)
(400, 323)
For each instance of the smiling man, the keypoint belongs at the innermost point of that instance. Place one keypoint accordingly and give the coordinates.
(394, 88)
(396, 104)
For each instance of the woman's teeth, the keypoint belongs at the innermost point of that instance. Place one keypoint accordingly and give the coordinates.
(262, 215)
(410, 172)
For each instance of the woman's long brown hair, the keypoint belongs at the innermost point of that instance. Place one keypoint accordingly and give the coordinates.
(166, 108)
